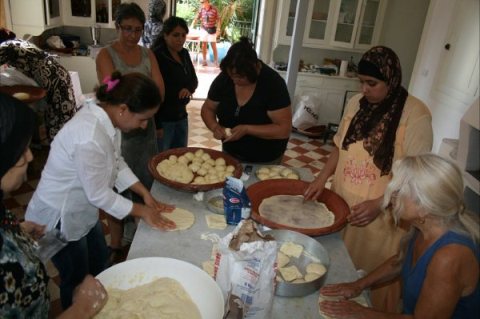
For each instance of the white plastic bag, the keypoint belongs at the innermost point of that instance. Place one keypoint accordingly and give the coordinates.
(247, 274)
(306, 113)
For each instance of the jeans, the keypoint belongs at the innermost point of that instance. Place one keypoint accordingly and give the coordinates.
(175, 134)
(89, 255)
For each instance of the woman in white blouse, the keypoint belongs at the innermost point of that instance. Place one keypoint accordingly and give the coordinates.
(83, 167)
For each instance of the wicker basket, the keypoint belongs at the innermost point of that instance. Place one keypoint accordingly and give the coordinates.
(259, 191)
(229, 160)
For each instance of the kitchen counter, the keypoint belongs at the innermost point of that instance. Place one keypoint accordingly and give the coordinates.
(189, 246)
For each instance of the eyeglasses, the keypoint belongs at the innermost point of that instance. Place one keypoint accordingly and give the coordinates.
(130, 30)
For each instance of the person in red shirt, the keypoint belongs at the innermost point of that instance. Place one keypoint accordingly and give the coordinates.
(208, 16)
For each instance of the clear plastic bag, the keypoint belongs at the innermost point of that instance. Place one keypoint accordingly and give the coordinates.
(307, 112)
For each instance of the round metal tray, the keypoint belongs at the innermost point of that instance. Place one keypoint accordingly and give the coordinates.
(313, 251)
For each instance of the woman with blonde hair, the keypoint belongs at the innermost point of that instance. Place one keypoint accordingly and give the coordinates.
(438, 260)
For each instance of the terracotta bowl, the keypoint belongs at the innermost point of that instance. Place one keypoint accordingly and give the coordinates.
(259, 191)
(35, 93)
(229, 160)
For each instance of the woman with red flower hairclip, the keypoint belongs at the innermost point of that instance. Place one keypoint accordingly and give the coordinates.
(83, 167)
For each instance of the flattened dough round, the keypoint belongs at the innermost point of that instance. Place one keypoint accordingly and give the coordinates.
(182, 218)
(293, 211)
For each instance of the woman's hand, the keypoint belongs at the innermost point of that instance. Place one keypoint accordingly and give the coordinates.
(155, 219)
(89, 297)
(151, 202)
(314, 190)
(238, 132)
(347, 290)
(34, 230)
(344, 309)
(364, 213)
(219, 132)
(184, 93)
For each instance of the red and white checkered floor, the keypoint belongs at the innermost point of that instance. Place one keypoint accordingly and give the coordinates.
(301, 152)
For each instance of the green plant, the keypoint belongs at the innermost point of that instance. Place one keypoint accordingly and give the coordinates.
(230, 12)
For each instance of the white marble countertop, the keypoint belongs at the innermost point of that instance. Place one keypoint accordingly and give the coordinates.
(189, 246)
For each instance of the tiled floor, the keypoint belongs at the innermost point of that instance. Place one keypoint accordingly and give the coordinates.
(301, 152)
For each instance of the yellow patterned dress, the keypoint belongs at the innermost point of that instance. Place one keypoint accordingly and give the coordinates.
(357, 179)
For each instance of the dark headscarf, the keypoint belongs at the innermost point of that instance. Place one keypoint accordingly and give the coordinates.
(376, 124)
(16, 130)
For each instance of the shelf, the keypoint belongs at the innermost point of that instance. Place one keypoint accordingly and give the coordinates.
(319, 20)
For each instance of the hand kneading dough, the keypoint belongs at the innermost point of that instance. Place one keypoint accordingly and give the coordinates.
(163, 298)
(290, 273)
(291, 249)
(359, 299)
(282, 259)
(216, 221)
(182, 218)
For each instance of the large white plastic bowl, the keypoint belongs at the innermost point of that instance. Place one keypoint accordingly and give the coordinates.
(203, 290)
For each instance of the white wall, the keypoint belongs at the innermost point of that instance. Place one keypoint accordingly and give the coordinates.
(446, 111)
(402, 29)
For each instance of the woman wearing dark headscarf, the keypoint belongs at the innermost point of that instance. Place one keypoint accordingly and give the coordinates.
(382, 124)
(23, 278)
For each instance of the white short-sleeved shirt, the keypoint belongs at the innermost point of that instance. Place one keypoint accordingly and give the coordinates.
(83, 166)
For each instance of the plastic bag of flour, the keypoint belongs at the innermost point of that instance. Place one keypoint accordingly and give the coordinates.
(306, 112)
(245, 272)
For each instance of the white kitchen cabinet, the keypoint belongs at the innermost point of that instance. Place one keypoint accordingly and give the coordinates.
(32, 17)
(334, 24)
(357, 23)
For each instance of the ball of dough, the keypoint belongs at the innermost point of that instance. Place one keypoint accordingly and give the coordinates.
(173, 158)
(292, 176)
(205, 156)
(197, 160)
(285, 172)
(220, 168)
(199, 180)
(210, 161)
(199, 153)
(182, 159)
(194, 167)
(263, 170)
(263, 176)
(230, 168)
(189, 155)
(202, 171)
(220, 161)
(228, 131)
(206, 166)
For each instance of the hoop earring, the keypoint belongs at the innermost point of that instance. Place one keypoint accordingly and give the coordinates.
(121, 113)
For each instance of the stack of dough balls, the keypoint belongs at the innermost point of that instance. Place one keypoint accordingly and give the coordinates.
(276, 172)
(195, 168)
(289, 272)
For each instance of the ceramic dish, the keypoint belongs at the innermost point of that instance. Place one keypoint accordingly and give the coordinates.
(313, 252)
(229, 160)
(259, 191)
(214, 201)
(203, 290)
